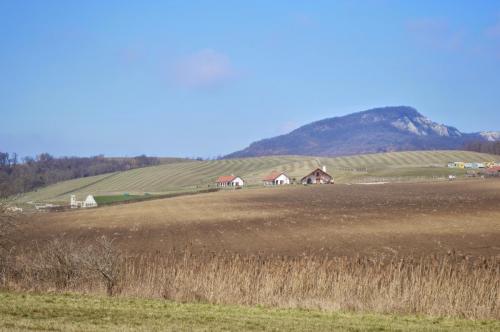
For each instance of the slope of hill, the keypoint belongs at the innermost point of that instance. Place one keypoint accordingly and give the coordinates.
(385, 129)
(33, 173)
(197, 175)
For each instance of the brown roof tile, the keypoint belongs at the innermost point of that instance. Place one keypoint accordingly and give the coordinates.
(225, 178)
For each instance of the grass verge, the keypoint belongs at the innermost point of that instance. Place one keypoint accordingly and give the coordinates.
(72, 312)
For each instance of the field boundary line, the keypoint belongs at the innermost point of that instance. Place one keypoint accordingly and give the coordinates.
(89, 184)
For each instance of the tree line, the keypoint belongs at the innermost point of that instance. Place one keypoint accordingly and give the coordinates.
(19, 176)
(483, 146)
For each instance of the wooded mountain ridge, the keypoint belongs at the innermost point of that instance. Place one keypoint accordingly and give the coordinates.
(385, 129)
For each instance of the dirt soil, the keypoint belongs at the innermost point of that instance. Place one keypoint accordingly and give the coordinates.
(386, 219)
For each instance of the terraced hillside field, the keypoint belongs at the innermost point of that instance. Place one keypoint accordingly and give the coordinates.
(197, 175)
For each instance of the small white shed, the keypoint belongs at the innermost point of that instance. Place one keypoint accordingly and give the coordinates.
(89, 202)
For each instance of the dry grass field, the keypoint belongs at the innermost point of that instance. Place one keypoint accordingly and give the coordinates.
(340, 220)
(401, 248)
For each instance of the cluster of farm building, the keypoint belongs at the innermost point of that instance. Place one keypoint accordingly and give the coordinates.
(87, 203)
(473, 165)
(317, 176)
(488, 168)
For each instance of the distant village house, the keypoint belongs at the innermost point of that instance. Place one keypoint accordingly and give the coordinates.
(276, 179)
(89, 202)
(318, 176)
(473, 165)
(229, 181)
(493, 171)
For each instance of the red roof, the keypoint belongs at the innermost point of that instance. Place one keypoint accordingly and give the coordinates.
(272, 176)
(225, 178)
(493, 169)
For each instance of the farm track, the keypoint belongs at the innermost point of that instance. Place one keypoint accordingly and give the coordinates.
(402, 219)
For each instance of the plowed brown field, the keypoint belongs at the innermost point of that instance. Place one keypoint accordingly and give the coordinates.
(386, 219)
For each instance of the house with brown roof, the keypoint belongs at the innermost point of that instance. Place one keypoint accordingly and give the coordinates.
(318, 176)
(276, 179)
(229, 181)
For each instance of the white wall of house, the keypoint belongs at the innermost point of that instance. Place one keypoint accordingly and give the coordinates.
(237, 182)
(72, 201)
(280, 180)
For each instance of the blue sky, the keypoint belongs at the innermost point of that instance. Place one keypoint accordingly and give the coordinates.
(196, 78)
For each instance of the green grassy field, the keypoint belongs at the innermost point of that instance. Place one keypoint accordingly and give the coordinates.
(110, 199)
(198, 175)
(126, 198)
(71, 312)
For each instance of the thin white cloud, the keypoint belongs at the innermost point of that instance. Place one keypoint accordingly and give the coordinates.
(205, 68)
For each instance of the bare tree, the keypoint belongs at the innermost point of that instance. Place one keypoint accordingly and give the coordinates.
(61, 260)
(104, 259)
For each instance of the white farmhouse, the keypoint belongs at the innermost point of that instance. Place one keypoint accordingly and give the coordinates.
(229, 181)
(276, 179)
(89, 202)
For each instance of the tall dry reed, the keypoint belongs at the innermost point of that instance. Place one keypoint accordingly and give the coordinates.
(439, 286)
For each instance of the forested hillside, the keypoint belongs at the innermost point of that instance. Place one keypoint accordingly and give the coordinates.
(484, 147)
(18, 176)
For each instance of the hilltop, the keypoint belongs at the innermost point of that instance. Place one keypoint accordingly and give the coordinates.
(386, 129)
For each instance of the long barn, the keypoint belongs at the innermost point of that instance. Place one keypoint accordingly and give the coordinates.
(229, 181)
